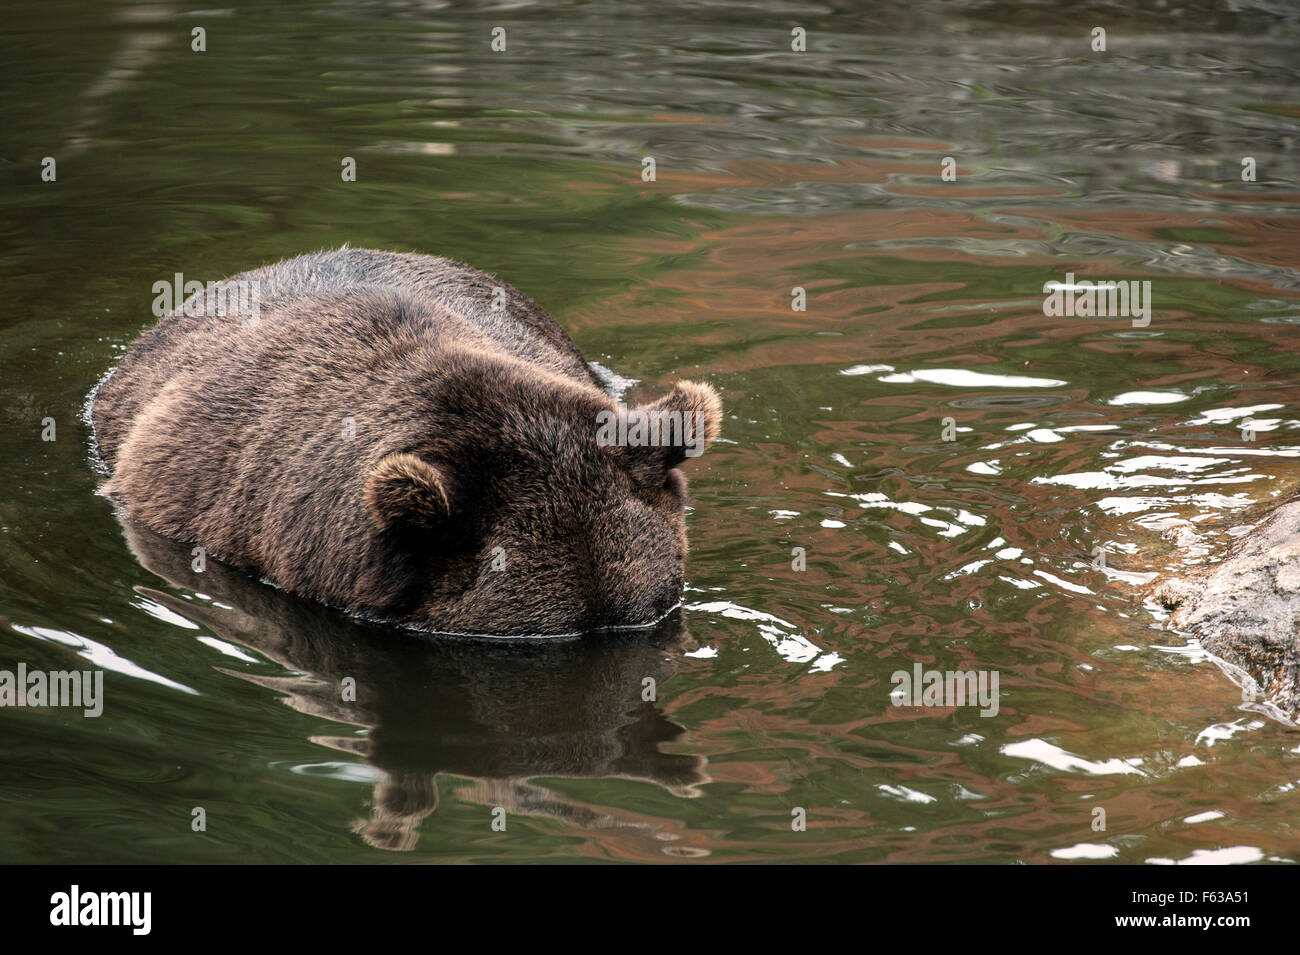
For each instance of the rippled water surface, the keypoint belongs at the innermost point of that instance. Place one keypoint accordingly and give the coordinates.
(774, 170)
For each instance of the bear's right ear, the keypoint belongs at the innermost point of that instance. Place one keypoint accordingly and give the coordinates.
(403, 489)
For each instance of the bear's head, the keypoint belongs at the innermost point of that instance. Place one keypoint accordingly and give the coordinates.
(532, 505)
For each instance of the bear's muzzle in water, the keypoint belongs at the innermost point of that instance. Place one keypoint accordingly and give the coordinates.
(407, 439)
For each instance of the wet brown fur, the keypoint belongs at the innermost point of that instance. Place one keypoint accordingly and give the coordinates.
(475, 429)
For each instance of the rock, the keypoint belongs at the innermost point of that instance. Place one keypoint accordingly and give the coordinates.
(1245, 609)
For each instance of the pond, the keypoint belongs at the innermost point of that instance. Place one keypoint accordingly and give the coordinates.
(919, 464)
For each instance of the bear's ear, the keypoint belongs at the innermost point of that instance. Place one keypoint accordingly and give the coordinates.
(664, 433)
(403, 489)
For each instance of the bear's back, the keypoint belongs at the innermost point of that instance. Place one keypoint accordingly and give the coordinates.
(299, 317)
(494, 308)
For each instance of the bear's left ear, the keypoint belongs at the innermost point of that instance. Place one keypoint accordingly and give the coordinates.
(678, 426)
(403, 489)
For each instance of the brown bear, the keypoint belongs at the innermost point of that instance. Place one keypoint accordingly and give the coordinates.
(408, 439)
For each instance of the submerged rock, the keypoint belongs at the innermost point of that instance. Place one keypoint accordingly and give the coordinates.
(1245, 609)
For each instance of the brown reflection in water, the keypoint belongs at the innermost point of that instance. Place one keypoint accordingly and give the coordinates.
(1068, 685)
(497, 713)
(1268, 240)
(740, 277)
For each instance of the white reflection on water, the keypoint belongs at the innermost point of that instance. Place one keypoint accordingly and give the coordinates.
(229, 649)
(1148, 398)
(1222, 415)
(1233, 855)
(102, 656)
(1086, 850)
(906, 794)
(962, 378)
(1223, 731)
(964, 520)
(791, 646)
(1049, 754)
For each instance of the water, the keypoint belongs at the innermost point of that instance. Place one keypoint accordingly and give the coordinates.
(924, 302)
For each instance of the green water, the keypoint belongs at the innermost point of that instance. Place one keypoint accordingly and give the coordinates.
(774, 169)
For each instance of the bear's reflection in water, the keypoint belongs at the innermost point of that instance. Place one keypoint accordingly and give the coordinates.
(499, 712)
